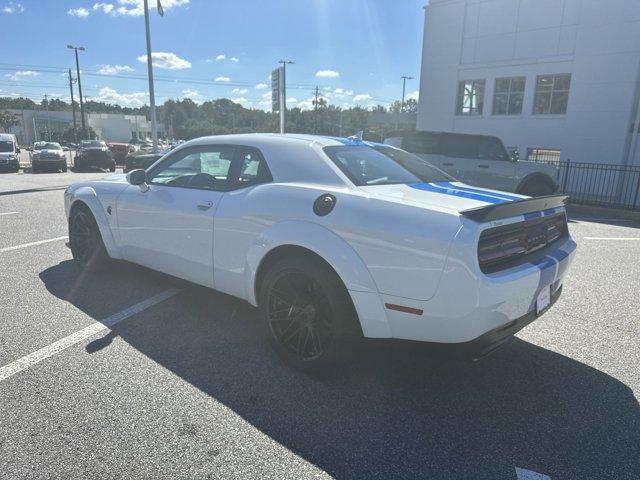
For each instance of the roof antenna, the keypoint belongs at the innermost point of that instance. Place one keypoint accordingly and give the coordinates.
(357, 137)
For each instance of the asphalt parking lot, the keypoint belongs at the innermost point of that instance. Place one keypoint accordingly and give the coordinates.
(182, 385)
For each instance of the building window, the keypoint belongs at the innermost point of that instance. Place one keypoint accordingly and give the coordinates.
(508, 96)
(470, 97)
(552, 94)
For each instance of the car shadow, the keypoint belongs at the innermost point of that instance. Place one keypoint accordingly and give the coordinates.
(395, 411)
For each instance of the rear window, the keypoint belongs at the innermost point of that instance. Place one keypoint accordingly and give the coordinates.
(6, 146)
(366, 165)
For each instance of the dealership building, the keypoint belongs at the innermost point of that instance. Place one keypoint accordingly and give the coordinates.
(559, 78)
(36, 125)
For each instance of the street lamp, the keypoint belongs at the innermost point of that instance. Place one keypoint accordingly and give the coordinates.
(404, 84)
(79, 89)
(283, 96)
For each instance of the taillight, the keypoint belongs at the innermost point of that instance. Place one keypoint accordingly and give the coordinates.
(502, 247)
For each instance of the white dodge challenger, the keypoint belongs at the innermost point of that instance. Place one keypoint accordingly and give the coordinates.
(332, 238)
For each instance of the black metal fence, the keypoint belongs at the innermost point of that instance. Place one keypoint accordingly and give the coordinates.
(606, 185)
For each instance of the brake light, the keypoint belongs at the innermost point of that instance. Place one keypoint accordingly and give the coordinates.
(501, 247)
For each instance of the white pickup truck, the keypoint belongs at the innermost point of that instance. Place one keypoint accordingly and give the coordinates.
(479, 160)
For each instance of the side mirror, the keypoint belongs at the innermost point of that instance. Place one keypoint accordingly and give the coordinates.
(17, 149)
(138, 177)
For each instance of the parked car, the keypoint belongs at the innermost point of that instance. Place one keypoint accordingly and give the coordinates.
(142, 160)
(332, 239)
(9, 153)
(119, 151)
(48, 156)
(480, 160)
(94, 154)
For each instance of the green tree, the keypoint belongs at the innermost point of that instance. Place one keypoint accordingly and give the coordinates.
(8, 120)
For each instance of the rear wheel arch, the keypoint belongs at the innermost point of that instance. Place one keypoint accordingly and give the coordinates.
(536, 179)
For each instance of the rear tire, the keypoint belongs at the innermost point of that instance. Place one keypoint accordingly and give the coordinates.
(112, 168)
(307, 314)
(538, 189)
(85, 240)
(64, 167)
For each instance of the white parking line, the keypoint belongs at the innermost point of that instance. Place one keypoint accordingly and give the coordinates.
(611, 238)
(8, 213)
(30, 360)
(25, 245)
(524, 474)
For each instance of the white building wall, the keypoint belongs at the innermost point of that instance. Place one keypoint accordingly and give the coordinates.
(596, 41)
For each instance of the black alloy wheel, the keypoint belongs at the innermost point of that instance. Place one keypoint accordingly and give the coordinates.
(85, 240)
(308, 315)
(299, 315)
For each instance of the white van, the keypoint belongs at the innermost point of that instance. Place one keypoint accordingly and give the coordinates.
(9, 153)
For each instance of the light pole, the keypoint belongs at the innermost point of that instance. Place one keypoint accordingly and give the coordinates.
(84, 130)
(73, 109)
(283, 94)
(404, 84)
(152, 97)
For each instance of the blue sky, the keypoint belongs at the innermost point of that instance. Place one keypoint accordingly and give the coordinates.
(356, 50)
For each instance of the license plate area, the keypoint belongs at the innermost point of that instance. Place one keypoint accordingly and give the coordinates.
(543, 300)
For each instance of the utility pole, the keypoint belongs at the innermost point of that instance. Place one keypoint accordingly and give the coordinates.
(73, 109)
(82, 121)
(46, 102)
(152, 97)
(315, 118)
(283, 95)
(404, 84)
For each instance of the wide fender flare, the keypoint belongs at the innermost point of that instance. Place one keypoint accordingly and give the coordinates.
(88, 196)
(336, 252)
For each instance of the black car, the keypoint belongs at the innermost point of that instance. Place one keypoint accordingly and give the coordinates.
(94, 154)
(141, 160)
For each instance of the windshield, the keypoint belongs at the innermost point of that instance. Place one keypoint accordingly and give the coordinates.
(92, 143)
(6, 146)
(383, 166)
(38, 146)
(51, 146)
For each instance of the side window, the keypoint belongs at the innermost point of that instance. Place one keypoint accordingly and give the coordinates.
(422, 142)
(204, 168)
(490, 148)
(253, 169)
(460, 146)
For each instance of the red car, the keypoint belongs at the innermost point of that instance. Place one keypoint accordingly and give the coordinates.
(119, 151)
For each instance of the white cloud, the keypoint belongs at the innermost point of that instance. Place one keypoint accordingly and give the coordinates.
(261, 86)
(415, 95)
(12, 7)
(239, 100)
(292, 100)
(78, 12)
(105, 7)
(134, 8)
(21, 74)
(114, 69)
(361, 97)
(327, 73)
(110, 95)
(222, 79)
(305, 104)
(266, 95)
(239, 91)
(192, 94)
(166, 60)
(220, 57)
(234, 59)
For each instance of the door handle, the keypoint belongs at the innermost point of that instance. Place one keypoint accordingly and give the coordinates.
(483, 166)
(204, 204)
(447, 164)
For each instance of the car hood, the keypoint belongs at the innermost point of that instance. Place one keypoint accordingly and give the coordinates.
(451, 196)
(5, 155)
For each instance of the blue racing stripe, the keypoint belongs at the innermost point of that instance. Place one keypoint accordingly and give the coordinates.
(532, 215)
(456, 192)
(468, 188)
(548, 211)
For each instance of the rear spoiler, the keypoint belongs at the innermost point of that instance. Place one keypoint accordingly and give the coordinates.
(513, 209)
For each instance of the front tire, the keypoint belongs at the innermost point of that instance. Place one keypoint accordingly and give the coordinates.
(85, 240)
(307, 314)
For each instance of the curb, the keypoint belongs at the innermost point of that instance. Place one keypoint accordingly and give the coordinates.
(602, 212)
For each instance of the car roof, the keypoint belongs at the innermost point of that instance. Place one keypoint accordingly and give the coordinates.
(291, 157)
